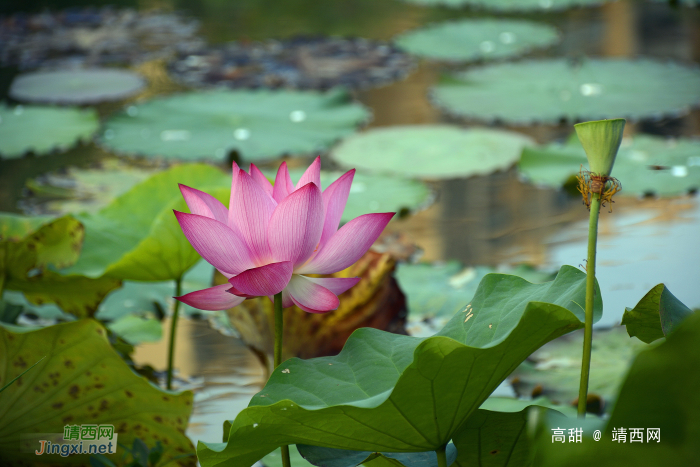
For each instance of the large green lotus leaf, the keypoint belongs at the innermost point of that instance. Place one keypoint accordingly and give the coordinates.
(77, 87)
(512, 5)
(395, 393)
(258, 124)
(82, 380)
(329, 457)
(77, 190)
(660, 391)
(547, 91)
(136, 237)
(43, 129)
(480, 39)
(443, 289)
(431, 151)
(274, 459)
(555, 369)
(23, 267)
(657, 314)
(644, 164)
(374, 193)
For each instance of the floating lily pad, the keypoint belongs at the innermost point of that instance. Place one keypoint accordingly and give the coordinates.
(512, 5)
(81, 380)
(93, 37)
(77, 190)
(480, 39)
(549, 90)
(554, 370)
(431, 151)
(644, 164)
(375, 193)
(43, 129)
(299, 63)
(76, 86)
(393, 393)
(258, 124)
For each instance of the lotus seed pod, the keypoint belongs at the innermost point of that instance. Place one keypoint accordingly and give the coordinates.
(601, 140)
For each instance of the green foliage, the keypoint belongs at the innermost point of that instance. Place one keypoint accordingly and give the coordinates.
(547, 91)
(81, 380)
(329, 457)
(28, 257)
(141, 456)
(43, 129)
(431, 151)
(657, 314)
(480, 39)
(387, 392)
(150, 245)
(259, 125)
(76, 87)
(644, 164)
(511, 5)
(660, 391)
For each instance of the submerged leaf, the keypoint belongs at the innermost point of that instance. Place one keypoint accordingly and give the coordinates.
(477, 39)
(431, 151)
(82, 380)
(259, 125)
(656, 315)
(79, 87)
(546, 91)
(644, 164)
(386, 392)
(40, 130)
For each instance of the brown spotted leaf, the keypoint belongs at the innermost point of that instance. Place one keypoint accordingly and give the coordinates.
(82, 380)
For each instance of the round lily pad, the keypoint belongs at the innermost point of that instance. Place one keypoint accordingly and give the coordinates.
(481, 39)
(375, 193)
(549, 90)
(76, 86)
(644, 164)
(300, 63)
(43, 129)
(257, 124)
(431, 151)
(512, 5)
(93, 37)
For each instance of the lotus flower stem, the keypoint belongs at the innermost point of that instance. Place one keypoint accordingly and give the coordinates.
(279, 330)
(173, 328)
(590, 295)
(441, 457)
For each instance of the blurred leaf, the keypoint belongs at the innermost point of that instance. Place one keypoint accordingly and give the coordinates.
(660, 391)
(374, 395)
(259, 125)
(17, 226)
(656, 315)
(135, 330)
(546, 91)
(82, 380)
(43, 129)
(554, 370)
(136, 237)
(431, 151)
(512, 5)
(477, 39)
(644, 164)
(76, 87)
(329, 457)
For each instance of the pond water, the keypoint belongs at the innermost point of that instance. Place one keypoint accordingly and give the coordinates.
(488, 220)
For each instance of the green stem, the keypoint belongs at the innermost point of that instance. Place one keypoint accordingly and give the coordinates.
(173, 328)
(590, 295)
(441, 457)
(279, 332)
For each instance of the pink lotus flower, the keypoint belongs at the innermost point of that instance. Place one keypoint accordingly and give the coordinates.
(269, 237)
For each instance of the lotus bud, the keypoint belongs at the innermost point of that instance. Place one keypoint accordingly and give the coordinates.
(601, 140)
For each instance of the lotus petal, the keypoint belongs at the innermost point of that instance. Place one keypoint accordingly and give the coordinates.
(335, 197)
(283, 183)
(214, 298)
(260, 179)
(204, 204)
(312, 174)
(270, 279)
(337, 285)
(310, 296)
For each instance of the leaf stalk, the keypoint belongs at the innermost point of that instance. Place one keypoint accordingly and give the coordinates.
(173, 328)
(279, 332)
